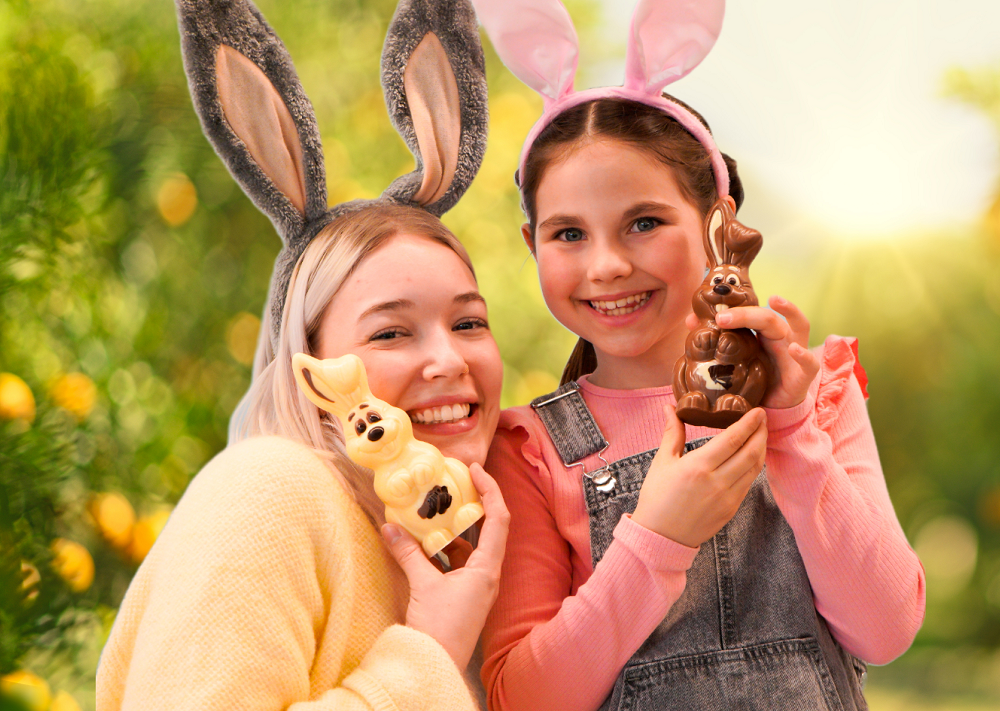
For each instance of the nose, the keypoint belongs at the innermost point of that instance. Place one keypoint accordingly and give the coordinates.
(375, 434)
(609, 261)
(722, 289)
(444, 358)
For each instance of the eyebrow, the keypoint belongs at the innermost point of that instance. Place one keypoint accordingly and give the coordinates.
(559, 221)
(469, 297)
(395, 305)
(399, 304)
(644, 208)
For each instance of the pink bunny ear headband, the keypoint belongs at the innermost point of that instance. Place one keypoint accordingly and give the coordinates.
(668, 38)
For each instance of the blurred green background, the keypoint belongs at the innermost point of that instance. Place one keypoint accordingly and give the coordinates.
(133, 271)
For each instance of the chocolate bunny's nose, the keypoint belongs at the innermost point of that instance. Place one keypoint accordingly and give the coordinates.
(375, 434)
(722, 289)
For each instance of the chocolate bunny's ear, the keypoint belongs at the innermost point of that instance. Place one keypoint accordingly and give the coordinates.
(434, 80)
(253, 110)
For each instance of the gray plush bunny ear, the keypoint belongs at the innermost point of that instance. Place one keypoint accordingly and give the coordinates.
(253, 110)
(434, 80)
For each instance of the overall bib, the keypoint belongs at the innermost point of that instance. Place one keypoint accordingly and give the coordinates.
(745, 633)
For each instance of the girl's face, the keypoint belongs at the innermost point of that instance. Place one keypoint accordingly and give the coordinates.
(413, 314)
(619, 252)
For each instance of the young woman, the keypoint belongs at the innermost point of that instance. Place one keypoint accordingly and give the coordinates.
(271, 587)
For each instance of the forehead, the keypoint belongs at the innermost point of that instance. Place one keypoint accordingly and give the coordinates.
(590, 170)
(406, 264)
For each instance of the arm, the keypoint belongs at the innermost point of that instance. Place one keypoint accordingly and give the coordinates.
(824, 470)
(256, 596)
(543, 647)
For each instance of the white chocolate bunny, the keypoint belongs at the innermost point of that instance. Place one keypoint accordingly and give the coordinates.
(428, 494)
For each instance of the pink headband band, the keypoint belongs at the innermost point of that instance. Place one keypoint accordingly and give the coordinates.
(668, 38)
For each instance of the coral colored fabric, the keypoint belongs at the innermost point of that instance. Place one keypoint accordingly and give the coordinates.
(270, 589)
(561, 631)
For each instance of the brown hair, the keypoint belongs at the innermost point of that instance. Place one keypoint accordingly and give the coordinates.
(647, 129)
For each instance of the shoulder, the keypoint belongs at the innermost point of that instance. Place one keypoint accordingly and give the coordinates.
(841, 379)
(266, 479)
(519, 443)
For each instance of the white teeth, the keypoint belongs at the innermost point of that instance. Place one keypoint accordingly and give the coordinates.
(721, 307)
(444, 413)
(621, 306)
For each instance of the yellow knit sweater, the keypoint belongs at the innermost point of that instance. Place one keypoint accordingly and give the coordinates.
(270, 589)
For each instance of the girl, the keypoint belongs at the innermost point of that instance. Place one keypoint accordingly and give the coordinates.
(270, 587)
(683, 577)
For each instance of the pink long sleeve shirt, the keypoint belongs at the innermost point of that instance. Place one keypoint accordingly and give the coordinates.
(561, 631)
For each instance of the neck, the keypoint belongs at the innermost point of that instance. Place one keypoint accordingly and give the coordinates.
(653, 368)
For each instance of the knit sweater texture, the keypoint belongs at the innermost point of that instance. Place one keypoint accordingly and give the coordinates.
(561, 630)
(270, 589)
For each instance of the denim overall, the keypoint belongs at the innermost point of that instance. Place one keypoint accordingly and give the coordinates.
(745, 633)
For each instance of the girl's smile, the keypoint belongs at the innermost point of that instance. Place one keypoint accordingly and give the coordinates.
(413, 314)
(619, 252)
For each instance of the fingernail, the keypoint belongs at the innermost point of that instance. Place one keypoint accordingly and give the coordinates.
(723, 319)
(779, 301)
(391, 533)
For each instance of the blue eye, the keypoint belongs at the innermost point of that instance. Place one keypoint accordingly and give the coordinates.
(644, 224)
(570, 235)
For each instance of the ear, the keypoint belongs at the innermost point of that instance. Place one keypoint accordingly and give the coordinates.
(334, 385)
(433, 77)
(528, 238)
(253, 110)
(713, 235)
(536, 40)
(669, 38)
(307, 371)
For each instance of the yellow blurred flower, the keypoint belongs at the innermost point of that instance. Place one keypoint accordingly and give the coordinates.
(22, 686)
(63, 701)
(176, 200)
(16, 400)
(144, 534)
(75, 392)
(73, 563)
(241, 337)
(30, 577)
(114, 518)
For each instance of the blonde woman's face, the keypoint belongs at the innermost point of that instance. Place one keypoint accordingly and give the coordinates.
(413, 313)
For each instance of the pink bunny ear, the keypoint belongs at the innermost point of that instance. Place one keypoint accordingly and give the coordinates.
(668, 39)
(535, 40)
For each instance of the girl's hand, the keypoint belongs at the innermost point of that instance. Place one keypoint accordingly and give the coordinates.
(786, 342)
(452, 607)
(689, 498)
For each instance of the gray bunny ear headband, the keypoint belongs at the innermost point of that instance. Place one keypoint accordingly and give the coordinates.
(262, 125)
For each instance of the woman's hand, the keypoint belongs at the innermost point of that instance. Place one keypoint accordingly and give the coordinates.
(452, 607)
(689, 497)
(786, 342)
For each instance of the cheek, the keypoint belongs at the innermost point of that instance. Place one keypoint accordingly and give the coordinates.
(388, 378)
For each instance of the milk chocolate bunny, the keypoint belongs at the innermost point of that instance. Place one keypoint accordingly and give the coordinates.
(430, 495)
(253, 110)
(722, 373)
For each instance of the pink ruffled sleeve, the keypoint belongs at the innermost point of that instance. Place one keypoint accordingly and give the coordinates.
(824, 470)
(545, 647)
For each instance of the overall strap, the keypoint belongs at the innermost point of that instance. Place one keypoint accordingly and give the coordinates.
(570, 424)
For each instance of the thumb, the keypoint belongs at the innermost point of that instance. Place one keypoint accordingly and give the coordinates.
(674, 434)
(407, 552)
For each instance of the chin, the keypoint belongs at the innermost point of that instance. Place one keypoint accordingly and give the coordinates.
(466, 452)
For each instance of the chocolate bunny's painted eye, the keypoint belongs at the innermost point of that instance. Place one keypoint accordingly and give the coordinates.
(374, 417)
(733, 280)
(360, 426)
(717, 279)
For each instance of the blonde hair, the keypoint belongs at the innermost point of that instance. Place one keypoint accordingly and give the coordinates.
(273, 405)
